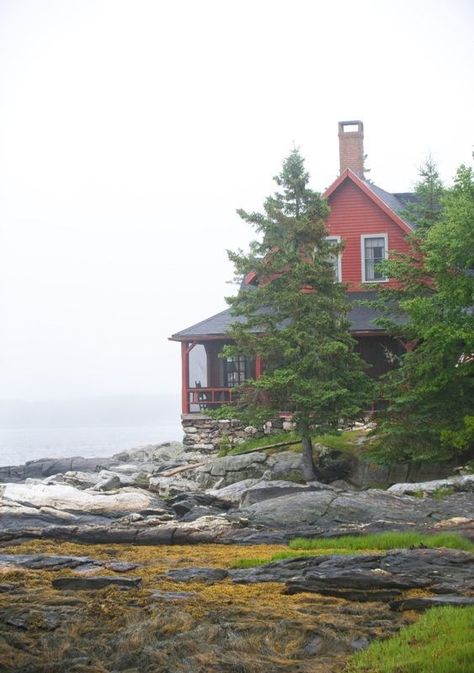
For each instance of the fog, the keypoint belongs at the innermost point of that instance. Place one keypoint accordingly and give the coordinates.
(130, 133)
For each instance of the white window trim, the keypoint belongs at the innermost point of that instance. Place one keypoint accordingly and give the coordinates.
(337, 239)
(362, 256)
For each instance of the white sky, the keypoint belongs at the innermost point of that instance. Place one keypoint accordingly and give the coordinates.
(130, 131)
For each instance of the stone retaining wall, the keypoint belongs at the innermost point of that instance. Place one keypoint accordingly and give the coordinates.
(202, 433)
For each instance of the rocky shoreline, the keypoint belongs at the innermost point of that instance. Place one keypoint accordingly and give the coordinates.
(167, 495)
(99, 558)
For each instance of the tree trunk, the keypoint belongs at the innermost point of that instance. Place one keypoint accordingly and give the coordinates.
(309, 469)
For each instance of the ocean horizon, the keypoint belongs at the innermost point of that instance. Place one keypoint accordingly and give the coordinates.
(19, 445)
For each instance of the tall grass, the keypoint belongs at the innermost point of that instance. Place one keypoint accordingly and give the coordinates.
(440, 642)
(348, 544)
(384, 541)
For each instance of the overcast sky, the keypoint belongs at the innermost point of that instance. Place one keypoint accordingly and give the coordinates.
(131, 130)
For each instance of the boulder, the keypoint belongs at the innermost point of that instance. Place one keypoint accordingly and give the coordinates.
(233, 492)
(62, 497)
(108, 483)
(266, 490)
(80, 480)
(231, 469)
(463, 483)
(285, 465)
(170, 486)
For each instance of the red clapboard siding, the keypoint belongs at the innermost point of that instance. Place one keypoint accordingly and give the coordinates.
(353, 214)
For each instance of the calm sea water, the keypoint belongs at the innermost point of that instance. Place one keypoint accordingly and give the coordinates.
(17, 445)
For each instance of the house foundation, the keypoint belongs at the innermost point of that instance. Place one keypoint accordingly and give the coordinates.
(202, 433)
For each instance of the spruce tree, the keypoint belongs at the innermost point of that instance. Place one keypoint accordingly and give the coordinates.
(293, 315)
(431, 409)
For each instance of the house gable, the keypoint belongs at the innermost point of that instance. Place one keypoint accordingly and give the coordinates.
(358, 211)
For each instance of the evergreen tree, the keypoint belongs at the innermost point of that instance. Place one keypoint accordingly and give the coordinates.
(293, 316)
(431, 410)
(426, 210)
(408, 268)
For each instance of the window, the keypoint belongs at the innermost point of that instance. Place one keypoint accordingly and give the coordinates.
(236, 370)
(335, 259)
(374, 248)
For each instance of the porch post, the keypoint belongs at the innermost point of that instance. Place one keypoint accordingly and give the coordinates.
(184, 377)
(258, 367)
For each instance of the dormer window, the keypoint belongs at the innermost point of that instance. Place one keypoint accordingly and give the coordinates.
(335, 259)
(374, 249)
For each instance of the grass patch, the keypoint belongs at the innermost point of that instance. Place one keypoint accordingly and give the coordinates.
(384, 541)
(243, 563)
(348, 544)
(442, 492)
(349, 440)
(440, 642)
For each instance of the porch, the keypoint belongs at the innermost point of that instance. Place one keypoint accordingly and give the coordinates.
(209, 379)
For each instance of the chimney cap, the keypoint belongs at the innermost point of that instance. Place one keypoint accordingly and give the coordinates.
(352, 126)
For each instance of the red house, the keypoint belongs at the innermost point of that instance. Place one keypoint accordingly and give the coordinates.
(369, 221)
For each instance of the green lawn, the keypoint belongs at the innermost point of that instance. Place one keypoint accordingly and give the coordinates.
(442, 641)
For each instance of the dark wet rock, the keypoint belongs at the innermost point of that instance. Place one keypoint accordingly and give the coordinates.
(209, 575)
(199, 511)
(424, 602)
(369, 577)
(96, 582)
(334, 464)
(358, 644)
(329, 508)
(184, 503)
(47, 619)
(313, 646)
(7, 587)
(172, 595)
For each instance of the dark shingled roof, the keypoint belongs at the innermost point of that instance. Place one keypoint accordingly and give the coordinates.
(396, 202)
(361, 319)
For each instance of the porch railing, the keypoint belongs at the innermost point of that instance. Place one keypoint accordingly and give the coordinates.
(199, 399)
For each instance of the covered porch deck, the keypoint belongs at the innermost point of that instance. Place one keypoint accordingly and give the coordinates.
(210, 379)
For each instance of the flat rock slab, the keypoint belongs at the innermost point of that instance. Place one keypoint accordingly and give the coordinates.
(44, 561)
(425, 602)
(209, 575)
(370, 577)
(93, 583)
(121, 566)
(172, 595)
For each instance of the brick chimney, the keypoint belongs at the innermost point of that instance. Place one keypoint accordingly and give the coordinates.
(351, 147)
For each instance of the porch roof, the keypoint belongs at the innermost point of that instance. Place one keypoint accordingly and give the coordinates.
(361, 318)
